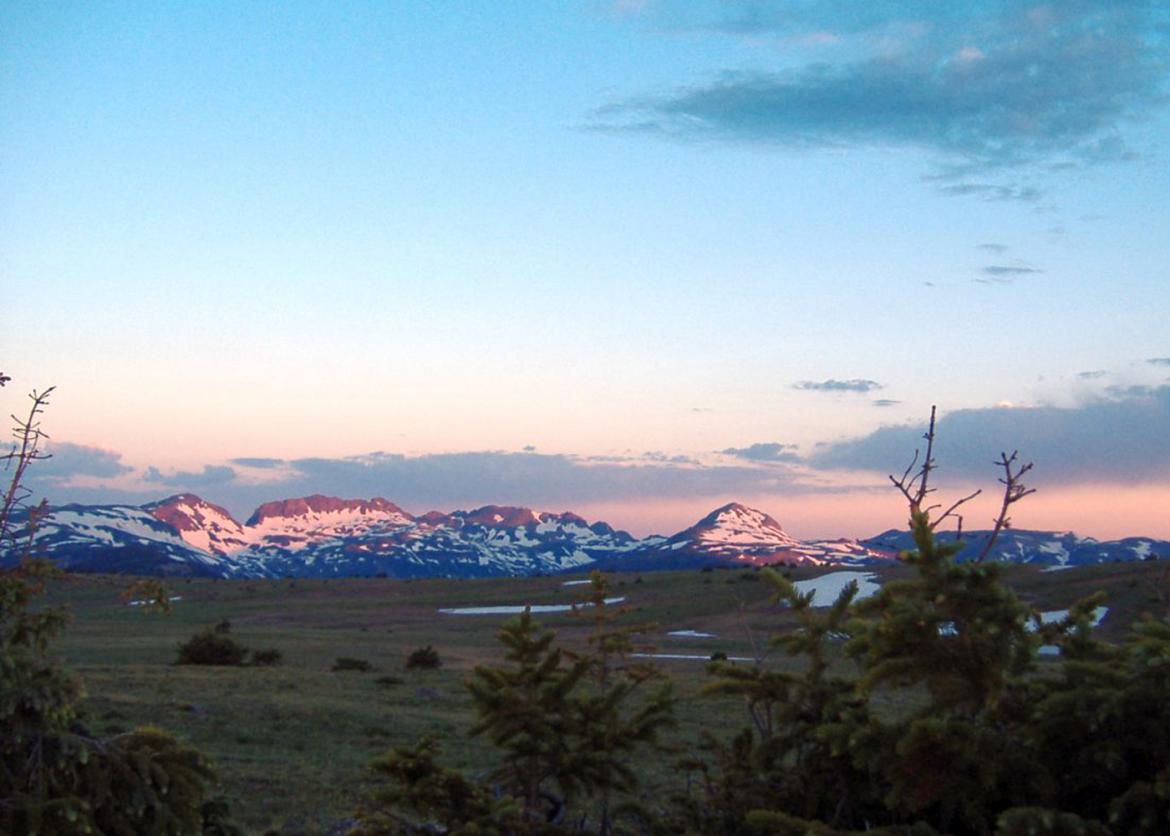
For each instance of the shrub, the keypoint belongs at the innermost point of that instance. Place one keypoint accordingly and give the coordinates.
(426, 658)
(388, 681)
(349, 663)
(213, 646)
(267, 658)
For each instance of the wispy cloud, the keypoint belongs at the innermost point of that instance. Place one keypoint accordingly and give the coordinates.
(831, 385)
(1118, 439)
(768, 451)
(1159, 361)
(258, 463)
(987, 86)
(209, 476)
(884, 402)
(1009, 270)
(998, 249)
(992, 191)
(1092, 375)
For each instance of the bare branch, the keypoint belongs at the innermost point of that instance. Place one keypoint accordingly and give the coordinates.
(1013, 491)
(914, 485)
(28, 434)
(950, 512)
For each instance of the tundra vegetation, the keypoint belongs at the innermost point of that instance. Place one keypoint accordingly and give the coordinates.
(927, 708)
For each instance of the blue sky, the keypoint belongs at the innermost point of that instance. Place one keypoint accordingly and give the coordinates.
(582, 253)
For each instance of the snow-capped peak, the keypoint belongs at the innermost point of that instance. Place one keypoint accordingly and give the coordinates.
(737, 525)
(201, 524)
(319, 507)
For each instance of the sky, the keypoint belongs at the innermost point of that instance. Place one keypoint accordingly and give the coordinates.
(632, 259)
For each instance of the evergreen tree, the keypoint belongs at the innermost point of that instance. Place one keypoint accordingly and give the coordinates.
(566, 727)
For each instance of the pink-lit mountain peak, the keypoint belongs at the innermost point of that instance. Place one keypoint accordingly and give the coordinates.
(736, 524)
(500, 516)
(319, 506)
(201, 523)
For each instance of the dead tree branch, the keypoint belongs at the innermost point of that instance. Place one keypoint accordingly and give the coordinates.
(914, 485)
(26, 450)
(1013, 491)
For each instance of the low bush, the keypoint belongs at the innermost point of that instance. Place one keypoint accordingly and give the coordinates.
(388, 681)
(349, 663)
(213, 646)
(267, 658)
(424, 658)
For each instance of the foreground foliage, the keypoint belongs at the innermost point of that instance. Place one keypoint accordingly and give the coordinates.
(55, 777)
(566, 729)
(951, 721)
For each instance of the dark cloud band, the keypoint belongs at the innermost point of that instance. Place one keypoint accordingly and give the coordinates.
(1106, 440)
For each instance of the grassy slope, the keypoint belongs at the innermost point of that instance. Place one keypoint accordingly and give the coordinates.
(292, 742)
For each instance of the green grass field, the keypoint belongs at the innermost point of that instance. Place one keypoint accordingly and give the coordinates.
(291, 743)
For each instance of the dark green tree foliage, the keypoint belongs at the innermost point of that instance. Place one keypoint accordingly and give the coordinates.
(566, 727)
(527, 709)
(212, 646)
(613, 724)
(416, 795)
(424, 658)
(796, 755)
(55, 778)
(951, 724)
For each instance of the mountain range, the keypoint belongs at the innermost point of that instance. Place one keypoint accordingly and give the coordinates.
(322, 536)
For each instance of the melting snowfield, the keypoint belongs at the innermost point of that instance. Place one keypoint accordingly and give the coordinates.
(516, 609)
(142, 602)
(826, 588)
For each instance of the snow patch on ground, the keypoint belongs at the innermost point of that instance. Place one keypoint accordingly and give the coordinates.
(691, 634)
(142, 602)
(689, 657)
(1052, 616)
(826, 588)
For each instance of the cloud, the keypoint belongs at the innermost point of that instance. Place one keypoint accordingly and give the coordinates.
(1120, 439)
(446, 480)
(1135, 390)
(1092, 375)
(992, 191)
(258, 463)
(1007, 270)
(998, 249)
(831, 385)
(1159, 361)
(68, 460)
(885, 402)
(770, 451)
(987, 86)
(210, 476)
